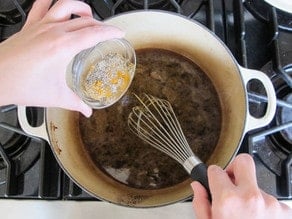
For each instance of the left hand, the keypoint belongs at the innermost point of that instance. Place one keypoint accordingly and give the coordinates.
(33, 61)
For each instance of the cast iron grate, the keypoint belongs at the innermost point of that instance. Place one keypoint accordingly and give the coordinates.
(33, 173)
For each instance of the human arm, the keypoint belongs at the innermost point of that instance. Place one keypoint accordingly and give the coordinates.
(235, 194)
(33, 61)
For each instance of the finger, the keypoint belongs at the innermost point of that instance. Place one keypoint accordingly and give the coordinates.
(85, 110)
(81, 107)
(201, 203)
(38, 11)
(63, 9)
(218, 181)
(90, 36)
(243, 170)
(72, 102)
(80, 23)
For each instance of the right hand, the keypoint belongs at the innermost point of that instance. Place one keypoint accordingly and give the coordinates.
(235, 194)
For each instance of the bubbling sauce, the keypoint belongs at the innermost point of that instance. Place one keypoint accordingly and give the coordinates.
(122, 155)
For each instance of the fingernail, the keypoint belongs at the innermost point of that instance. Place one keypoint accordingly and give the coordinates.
(214, 168)
(87, 114)
(86, 111)
(194, 184)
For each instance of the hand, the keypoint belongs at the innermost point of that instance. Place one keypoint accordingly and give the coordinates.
(235, 194)
(33, 61)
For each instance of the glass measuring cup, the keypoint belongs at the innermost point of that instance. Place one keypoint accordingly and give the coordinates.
(102, 74)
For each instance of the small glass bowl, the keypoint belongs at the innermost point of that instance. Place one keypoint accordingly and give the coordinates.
(102, 74)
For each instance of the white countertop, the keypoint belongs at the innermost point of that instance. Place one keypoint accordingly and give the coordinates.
(39, 209)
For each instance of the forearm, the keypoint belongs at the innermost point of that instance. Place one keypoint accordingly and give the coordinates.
(16, 82)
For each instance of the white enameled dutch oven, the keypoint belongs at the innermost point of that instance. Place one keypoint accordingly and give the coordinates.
(155, 29)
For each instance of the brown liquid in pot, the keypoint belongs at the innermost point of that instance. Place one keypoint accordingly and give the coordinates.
(126, 158)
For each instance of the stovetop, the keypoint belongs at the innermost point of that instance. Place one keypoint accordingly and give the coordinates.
(257, 34)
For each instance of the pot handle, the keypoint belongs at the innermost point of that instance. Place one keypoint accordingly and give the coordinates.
(40, 131)
(253, 122)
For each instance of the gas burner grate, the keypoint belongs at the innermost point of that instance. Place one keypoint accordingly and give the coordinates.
(14, 11)
(262, 10)
(108, 8)
(14, 141)
(149, 4)
(277, 162)
(28, 168)
(258, 25)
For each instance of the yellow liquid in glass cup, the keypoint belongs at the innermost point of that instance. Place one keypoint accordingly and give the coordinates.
(101, 75)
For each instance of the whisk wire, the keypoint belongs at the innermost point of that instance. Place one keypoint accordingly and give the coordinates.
(176, 128)
(182, 137)
(167, 116)
(153, 130)
(155, 123)
(162, 109)
(156, 140)
(148, 124)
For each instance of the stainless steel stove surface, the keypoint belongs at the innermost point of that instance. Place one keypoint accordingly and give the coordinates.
(258, 35)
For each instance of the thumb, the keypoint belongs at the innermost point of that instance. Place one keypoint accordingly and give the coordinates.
(201, 203)
(38, 11)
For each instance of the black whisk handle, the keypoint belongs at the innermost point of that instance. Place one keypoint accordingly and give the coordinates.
(199, 173)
